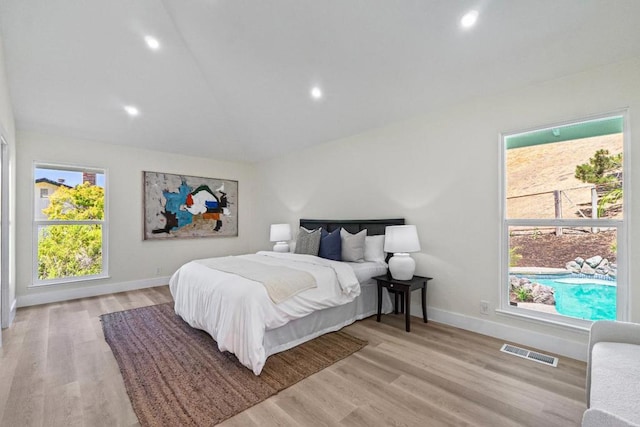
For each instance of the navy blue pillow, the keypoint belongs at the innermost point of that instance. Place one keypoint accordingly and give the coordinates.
(330, 245)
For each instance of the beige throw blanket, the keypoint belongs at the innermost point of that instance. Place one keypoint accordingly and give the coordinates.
(280, 282)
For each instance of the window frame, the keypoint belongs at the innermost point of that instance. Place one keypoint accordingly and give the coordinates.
(622, 226)
(36, 224)
(5, 218)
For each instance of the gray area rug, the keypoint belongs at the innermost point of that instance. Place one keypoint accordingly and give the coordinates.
(175, 375)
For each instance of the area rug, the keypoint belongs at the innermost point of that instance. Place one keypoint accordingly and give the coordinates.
(175, 374)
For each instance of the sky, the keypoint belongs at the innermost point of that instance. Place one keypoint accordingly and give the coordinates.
(71, 177)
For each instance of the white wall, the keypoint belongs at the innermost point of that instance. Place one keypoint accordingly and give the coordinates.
(132, 261)
(7, 130)
(441, 172)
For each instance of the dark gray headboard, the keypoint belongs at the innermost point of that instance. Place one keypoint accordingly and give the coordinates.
(373, 226)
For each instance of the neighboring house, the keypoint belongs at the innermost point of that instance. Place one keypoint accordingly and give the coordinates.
(44, 188)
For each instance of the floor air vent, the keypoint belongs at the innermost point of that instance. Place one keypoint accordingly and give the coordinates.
(531, 355)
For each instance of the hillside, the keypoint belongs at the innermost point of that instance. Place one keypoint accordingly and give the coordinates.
(543, 169)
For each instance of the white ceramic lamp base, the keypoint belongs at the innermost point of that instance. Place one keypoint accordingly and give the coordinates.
(281, 247)
(402, 266)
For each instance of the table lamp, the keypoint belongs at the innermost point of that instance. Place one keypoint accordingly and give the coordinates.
(400, 240)
(280, 233)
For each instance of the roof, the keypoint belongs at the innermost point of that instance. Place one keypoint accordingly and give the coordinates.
(52, 182)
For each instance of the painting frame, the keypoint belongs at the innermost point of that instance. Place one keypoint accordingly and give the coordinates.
(180, 206)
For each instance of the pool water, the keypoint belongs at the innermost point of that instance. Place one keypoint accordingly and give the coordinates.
(584, 298)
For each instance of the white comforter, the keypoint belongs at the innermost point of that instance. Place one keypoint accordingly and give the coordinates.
(236, 311)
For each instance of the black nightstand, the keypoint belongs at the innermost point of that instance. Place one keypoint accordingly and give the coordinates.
(404, 288)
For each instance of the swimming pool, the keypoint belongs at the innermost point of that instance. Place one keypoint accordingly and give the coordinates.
(582, 297)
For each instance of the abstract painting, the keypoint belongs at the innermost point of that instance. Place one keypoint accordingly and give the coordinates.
(182, 206)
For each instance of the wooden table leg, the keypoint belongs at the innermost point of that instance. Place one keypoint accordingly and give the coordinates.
(395, 302)
(424, 303)
(408, 309)
(379, 302)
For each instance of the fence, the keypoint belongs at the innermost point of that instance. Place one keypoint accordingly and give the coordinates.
(581, 202)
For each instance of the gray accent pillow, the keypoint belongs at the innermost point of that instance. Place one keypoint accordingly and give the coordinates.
(308, 241)
(353, 245)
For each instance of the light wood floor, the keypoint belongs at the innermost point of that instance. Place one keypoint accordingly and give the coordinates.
(57, 370)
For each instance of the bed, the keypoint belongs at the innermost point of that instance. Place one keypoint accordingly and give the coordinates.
(241, 315)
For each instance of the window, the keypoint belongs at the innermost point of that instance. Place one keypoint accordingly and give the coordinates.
(70, 225)
(564, 229)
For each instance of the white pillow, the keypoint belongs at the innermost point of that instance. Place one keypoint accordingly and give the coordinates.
(352, 245)
(364, 271)
(374, 248)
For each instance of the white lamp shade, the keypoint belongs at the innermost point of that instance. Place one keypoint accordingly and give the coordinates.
(280, 233)
(401, 239)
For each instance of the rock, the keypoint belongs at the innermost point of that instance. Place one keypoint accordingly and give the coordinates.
(538, 293)
(594, 261)
(548, 299)
(543, 294)
(594, 265)
(516, 283)
(573, 267)
(603, 267)
(586, 269)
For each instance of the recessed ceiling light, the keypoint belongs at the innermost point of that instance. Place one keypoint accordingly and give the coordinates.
(469, 20)
(131, 110)
(316, 92)
(152, 42)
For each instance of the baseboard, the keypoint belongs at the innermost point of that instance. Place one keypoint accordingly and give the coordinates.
(525, 337)
(12, 311)
(88, 291)
(7, 319)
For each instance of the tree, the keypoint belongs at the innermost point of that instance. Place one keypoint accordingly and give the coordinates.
(602, 168)
(84, 201)
(69, 250)
(605, 171)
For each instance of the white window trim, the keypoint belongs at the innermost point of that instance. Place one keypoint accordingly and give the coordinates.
(35, 282)
(5, 217)
(623, 302)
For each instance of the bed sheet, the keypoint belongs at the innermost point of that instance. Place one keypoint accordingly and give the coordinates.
(237, 311)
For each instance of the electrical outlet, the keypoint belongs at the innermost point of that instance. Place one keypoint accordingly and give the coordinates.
(484, 307)
(158, 271)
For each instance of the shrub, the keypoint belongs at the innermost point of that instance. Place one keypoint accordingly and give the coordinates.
(514, 256)
(523, 294)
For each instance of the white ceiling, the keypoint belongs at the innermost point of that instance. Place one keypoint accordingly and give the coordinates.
(232, 78)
